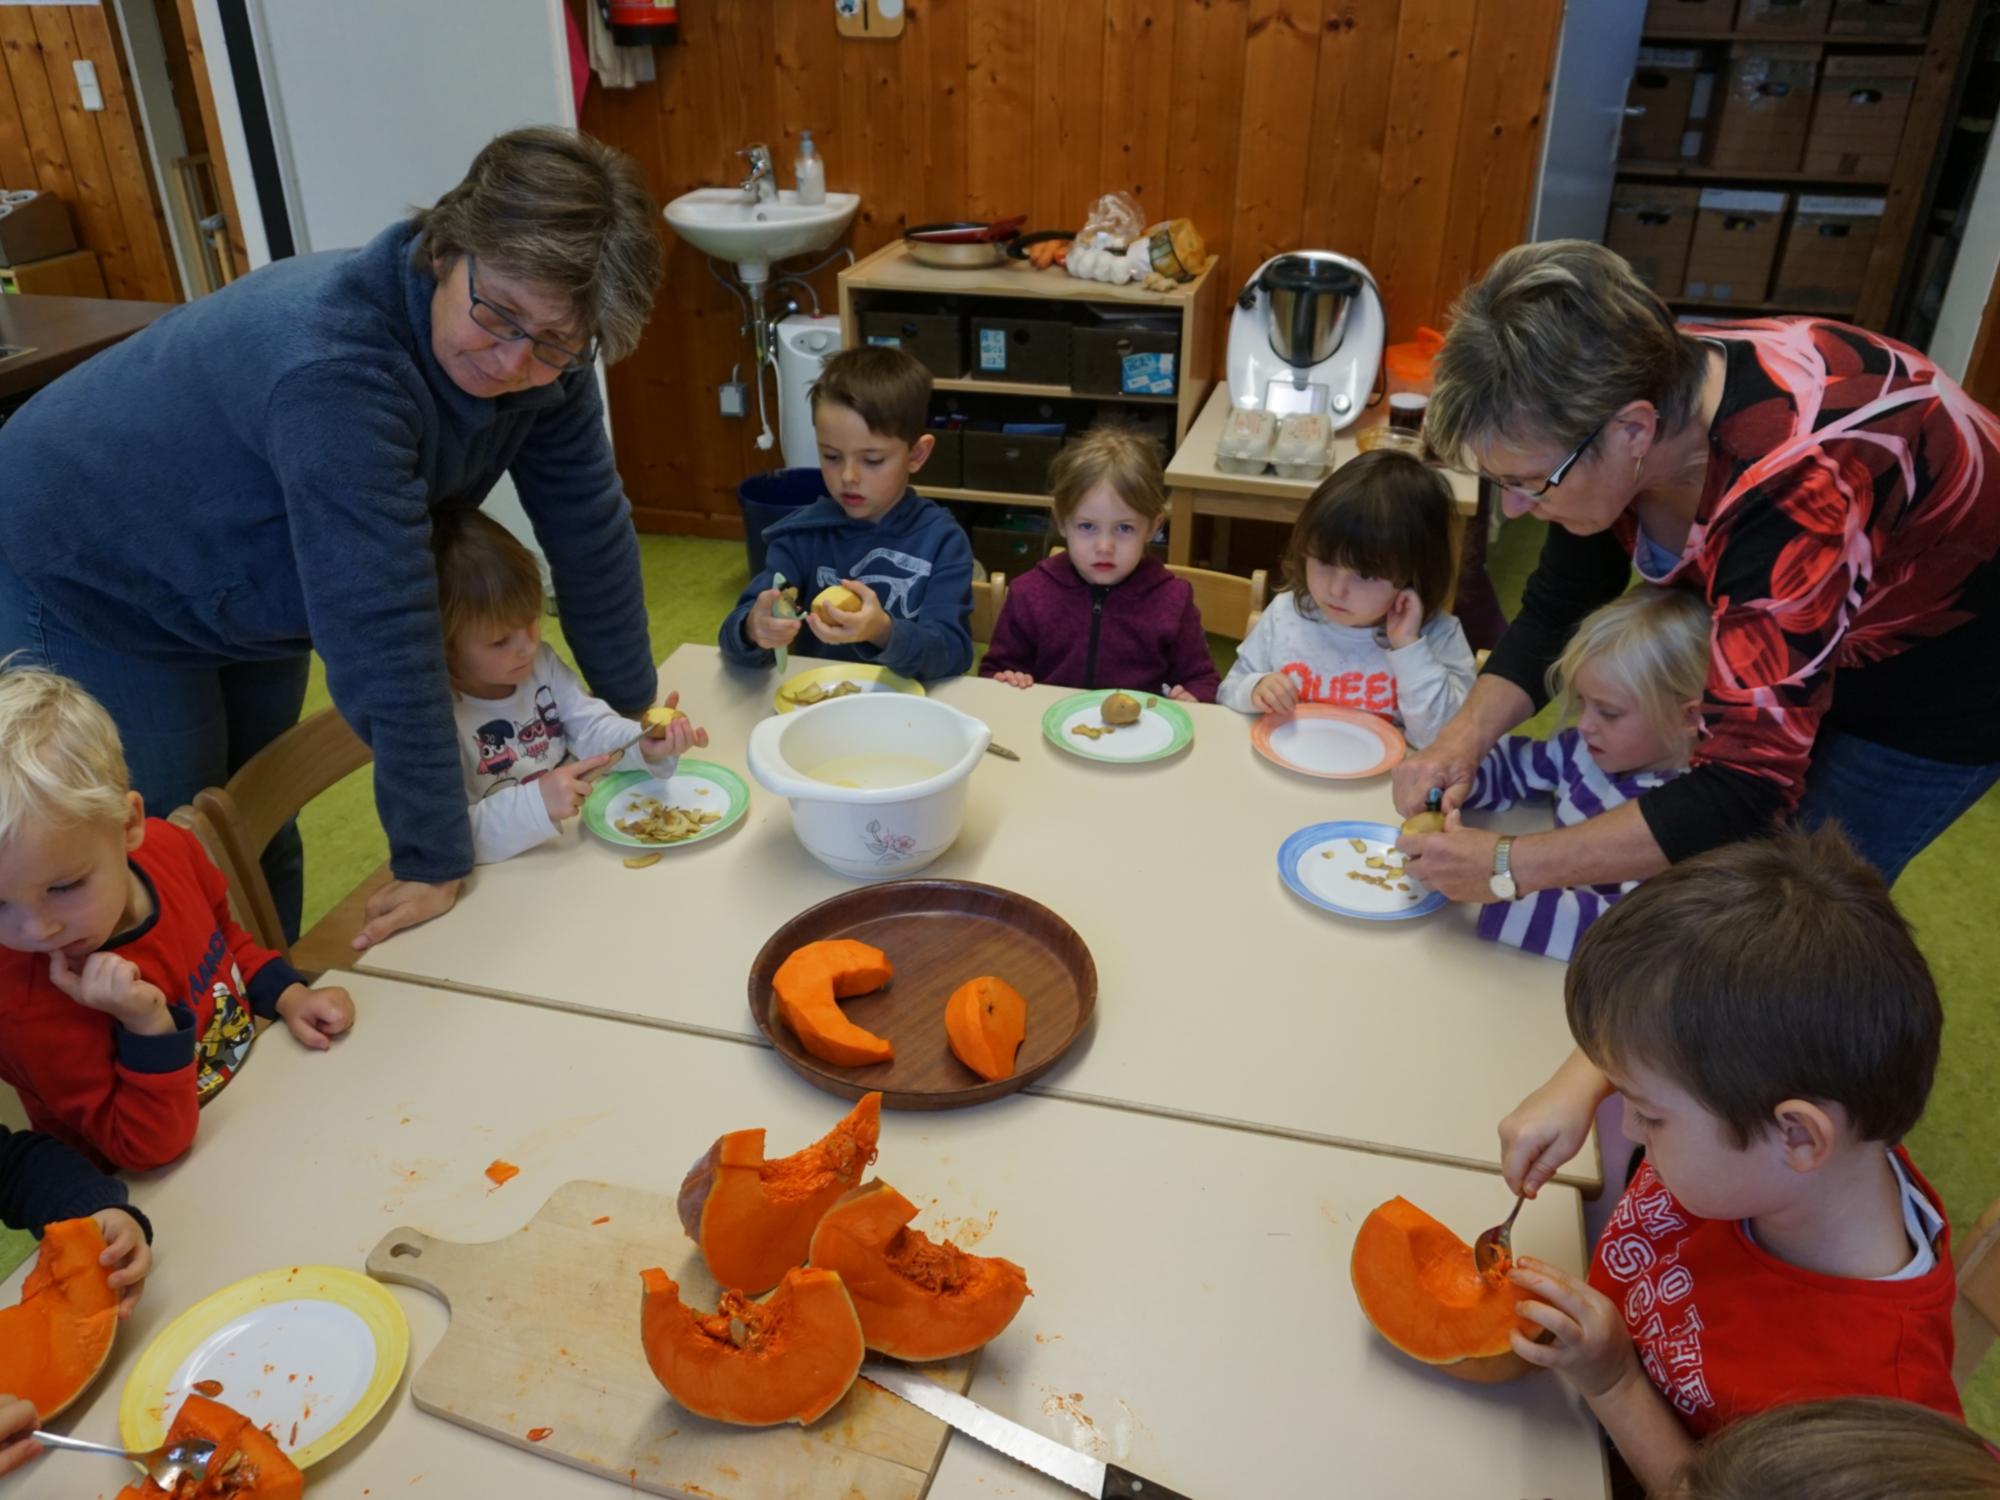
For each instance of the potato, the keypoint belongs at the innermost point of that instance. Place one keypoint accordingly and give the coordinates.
(1424, 822)
(1120, 709)
(661, 717)
(839, 596)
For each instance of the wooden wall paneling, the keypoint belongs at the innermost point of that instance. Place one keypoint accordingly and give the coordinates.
(100, 223)
(17, 158)
(934, 122)
(211, 131)
(1426, 100)
(1138, 104)
(1350, 125)
(1211, 40)
(1000, 70)
(132, 180)
(37, 105)
(1066, 130)
(1274, 144)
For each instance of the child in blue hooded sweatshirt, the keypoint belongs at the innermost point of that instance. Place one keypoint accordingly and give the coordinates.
(905, 558)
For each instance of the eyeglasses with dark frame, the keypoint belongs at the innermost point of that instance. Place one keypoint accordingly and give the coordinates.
(492, 320)
(1557, 474)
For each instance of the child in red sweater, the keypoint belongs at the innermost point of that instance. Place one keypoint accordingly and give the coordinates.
(127, 991)
(1773, 1029)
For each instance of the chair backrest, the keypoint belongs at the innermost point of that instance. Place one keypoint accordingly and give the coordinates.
(1229, 603)
(1975, 1317)
(987, 598)
(267, 791)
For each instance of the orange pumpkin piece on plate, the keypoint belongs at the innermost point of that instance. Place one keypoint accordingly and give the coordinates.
(1416, 1282)
(789, 1358)
(917, 1299)
(754, 1219)
(812, 979)
(248, 1463)
(56, 1339)
(985, 1021)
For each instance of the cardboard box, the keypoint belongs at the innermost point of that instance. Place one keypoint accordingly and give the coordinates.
(1007, 550)
(33, 226)
(1014, 463)
(1824, 267)
(945, 468)
(1858, 115)
(1664, 81)
(1767, 103)
(1799, 18)
(1136, 356)
(1033, 350)
(938, 339)
(1689, 15)
(1735, 245)
(1652, 226)
(1881, 17)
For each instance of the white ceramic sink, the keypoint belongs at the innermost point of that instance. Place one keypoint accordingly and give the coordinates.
(718, 222)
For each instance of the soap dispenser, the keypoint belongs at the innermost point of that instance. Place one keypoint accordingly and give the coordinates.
(809, 171)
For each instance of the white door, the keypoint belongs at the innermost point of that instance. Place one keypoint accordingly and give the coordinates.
(1594, 61)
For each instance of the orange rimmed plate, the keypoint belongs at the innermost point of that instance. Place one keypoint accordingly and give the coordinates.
(1334, 744)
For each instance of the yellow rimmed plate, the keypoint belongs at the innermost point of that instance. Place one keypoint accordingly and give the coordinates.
(864, 675)
(309, 1353)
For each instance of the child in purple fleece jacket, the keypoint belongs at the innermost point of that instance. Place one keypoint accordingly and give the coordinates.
(1103, 613)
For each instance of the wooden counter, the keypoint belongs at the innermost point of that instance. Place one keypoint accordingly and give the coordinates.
(60, 333)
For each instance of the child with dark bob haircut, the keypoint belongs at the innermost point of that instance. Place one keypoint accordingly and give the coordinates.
(1362, 622)
(1773, 1030)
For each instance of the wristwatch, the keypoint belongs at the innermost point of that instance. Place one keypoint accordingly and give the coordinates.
(1502, 884)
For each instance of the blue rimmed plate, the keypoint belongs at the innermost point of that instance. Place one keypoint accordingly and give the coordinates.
(1328, 865)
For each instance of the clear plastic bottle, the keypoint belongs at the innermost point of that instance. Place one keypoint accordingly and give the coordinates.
(809, 171)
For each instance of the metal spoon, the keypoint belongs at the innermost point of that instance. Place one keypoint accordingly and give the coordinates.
(165, 1465)
(1496, 1245)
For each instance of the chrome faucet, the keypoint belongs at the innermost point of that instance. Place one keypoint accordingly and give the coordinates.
(761, 186)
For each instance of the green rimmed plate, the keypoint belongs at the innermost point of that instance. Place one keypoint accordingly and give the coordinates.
(1164, 728)
(698, 784)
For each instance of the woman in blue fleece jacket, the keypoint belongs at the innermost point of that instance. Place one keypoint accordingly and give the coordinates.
(253, 477)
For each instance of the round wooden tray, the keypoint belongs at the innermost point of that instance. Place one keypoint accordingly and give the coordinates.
(937, 934)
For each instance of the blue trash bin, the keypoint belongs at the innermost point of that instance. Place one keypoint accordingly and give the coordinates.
(766, 499)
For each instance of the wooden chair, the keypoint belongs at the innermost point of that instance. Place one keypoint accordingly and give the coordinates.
(237, 820)
(1229, 603)
(987, 597)
(1975, 1317)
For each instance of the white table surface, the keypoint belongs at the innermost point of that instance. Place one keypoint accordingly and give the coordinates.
(1191, 1297)
(1221, 995)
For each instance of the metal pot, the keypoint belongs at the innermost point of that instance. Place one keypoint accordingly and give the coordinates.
(969, 245)
(1309, 296)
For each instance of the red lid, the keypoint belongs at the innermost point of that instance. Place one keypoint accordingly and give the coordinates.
(1411, 363)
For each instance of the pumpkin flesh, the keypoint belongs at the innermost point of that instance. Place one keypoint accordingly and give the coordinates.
(808, 984)
(248, 1463)
(917, 1299)
(985, 1021)
(754, 1219)
(1417, 1284)
(56, 1339)
(789, 1358)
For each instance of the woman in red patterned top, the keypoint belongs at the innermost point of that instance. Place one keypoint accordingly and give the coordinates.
(1830, 494)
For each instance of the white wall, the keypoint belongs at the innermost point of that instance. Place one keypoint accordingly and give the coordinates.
(1971, 276)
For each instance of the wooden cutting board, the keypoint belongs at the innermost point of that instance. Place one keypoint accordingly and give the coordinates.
(544, 1333)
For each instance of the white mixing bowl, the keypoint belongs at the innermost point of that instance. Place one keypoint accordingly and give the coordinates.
(895, 771)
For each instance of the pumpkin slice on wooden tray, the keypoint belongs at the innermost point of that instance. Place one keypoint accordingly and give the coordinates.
(753, 1218)
(810, 983)
(788, 1358)
(985, 1022)
(1417, 1283)
(248, 1463)
(57, 1338)
(917, 1299)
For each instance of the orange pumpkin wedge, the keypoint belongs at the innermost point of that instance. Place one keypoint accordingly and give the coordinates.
(789, 1358)
(56, 1339)
(985, 1021)
(812, 979)
(248, 1464)
(754, 1219)
(1416, 1282)
(917, 1299)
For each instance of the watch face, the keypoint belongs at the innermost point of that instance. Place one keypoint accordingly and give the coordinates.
(1503, 887)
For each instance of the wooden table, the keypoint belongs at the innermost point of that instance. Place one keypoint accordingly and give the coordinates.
(1221, 996)
(1191, 1315)
(60, 333)
(1197, 488)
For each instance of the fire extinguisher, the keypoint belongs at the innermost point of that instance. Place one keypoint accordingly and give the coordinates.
(642, 23)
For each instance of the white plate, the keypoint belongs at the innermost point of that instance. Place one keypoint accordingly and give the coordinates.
(1329, 747)
(1152, 734)
(1320, 863)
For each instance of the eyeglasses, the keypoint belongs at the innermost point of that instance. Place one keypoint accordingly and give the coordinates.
(1557, 474)
(501, 326)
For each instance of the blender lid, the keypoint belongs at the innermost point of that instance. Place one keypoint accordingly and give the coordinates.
(1301, 273)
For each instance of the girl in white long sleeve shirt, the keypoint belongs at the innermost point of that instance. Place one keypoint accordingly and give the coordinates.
(1361, 623)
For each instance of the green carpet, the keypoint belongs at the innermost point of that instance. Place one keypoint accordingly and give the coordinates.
(1948, 893)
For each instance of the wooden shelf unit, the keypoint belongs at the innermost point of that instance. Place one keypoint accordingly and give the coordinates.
(891, 270)
(1817, 39)
(75, 273)
(1720, 174)
(1755, 309)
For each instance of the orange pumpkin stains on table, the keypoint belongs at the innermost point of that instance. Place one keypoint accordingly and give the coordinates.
(502, 1172)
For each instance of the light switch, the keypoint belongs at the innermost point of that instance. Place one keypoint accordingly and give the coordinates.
(87, 90)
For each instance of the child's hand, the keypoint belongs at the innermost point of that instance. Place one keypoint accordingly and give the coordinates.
(566, 788)
(17, 1418)
(675, 740)
(1549, 1127)
(765, 627)
(1275, 693)
(1014, 679)
(112, 985)
(868, 622)
(316, 1017)
(1181, 695)
(1405, 621)
(1592, 1349)
(126, 1250)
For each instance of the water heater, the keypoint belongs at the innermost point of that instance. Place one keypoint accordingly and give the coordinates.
(805, 344)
